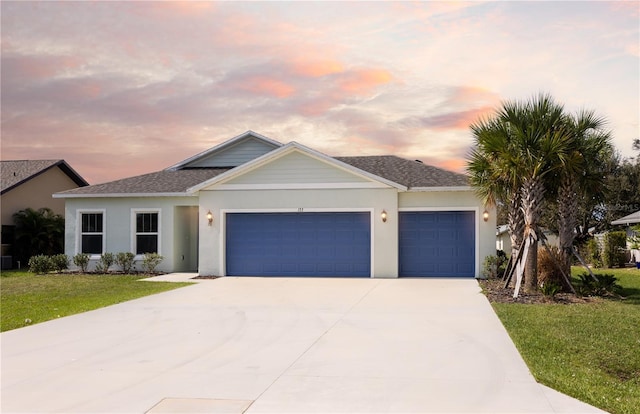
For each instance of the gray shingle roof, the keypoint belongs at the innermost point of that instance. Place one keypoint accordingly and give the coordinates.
(406, 172)
(15, 172)
(399, 170)
(157, 182)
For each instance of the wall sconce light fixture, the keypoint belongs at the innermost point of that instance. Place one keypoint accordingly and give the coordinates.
(383, 216)
(485, 216)
(210, 217)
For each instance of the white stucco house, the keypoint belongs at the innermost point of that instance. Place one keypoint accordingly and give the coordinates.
(252, 206)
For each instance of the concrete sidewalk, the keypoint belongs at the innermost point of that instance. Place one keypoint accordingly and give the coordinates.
(279, 345)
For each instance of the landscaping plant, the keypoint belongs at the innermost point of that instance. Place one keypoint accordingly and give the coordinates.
(106, 261)
(82, 261)
(150, 262)
(125, 261)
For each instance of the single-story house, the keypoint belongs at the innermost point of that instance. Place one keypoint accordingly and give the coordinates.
(630, 221)
(503, 240)
(30, 184)
(252, 206)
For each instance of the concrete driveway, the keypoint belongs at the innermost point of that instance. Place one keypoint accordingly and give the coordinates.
(279, 345)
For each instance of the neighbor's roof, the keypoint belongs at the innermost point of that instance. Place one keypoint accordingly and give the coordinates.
(161, 182)
(17, 172)
(412, 174)
(632, 218)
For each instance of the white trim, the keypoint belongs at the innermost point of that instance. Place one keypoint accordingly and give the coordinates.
(431, 189)
(282, 151)
(225, 144)
(476, 210)
(133, 227)
(112, 195)
(78, 241)
(223, 227)
(295, 186)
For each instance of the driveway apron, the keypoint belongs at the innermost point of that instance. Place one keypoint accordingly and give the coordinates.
(279, 345)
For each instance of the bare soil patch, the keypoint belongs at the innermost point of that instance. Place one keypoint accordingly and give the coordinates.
(495, 291)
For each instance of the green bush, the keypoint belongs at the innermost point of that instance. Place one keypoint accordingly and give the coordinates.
(125, 261)
(550, 289)
(106, 261)
(60, 262)
(150, 262)
(606, 285)
(82, 261)
(40, 264)
(615, 243)
(593, 253)
(494, 266)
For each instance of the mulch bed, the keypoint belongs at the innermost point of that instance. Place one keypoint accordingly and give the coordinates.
(496, 293)
(205, 277)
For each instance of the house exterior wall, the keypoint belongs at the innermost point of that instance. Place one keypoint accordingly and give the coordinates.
(37, 193)
(384, 236)
(296, 168)
(238, 154)
(456, 201)
(118, 225)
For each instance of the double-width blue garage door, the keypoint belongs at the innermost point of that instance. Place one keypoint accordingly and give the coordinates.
(298, 244)
(437, 244)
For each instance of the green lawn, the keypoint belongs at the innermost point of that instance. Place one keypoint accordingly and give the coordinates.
(589, 351)
(40, 298)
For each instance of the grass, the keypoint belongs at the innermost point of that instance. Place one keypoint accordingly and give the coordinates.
(589, 351)
(25, 296)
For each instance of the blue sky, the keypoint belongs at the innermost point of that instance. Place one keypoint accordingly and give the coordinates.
(124, 88)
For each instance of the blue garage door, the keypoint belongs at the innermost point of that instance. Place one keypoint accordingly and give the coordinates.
(437, 244)
(298, 244)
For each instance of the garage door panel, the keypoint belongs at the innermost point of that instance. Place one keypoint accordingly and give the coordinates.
(437, 244)
(299, 244)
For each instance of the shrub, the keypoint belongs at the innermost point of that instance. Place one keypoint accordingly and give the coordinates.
(606, 285)
(106, 260)
(60, 262)
(82, 261)
(615, 244)
(550, 289)
(125, 261)
(40, 264)
(494, 266)
(548, 270)
(150, 262)
(593, 253)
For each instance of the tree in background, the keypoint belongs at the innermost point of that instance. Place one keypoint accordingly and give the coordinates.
(38, 232)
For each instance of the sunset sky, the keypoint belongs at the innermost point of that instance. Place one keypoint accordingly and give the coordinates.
(125, 88)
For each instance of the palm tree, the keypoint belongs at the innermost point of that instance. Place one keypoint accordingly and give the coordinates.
(523, 144)
(582, 177)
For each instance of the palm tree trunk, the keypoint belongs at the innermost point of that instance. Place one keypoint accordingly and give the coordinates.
(532, 199)
(567, 219)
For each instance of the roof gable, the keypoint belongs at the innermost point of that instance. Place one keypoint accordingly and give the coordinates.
(295, 166)
(632, 218)
(16, 172)
(231, 153)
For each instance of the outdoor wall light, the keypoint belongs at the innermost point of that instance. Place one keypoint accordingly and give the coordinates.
(210, 217)
(383, 215)
(485, 215)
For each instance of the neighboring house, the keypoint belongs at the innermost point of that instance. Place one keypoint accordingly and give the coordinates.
(31, 183)
(252, 206)
(629, 221)
(503, 240)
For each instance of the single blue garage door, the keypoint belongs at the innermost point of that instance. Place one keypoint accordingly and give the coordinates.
(437, 244)
(298, 244)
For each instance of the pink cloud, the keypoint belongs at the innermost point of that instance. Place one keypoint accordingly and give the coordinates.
(456, 120)
(316, 68)
(362, 81)
(267, 86)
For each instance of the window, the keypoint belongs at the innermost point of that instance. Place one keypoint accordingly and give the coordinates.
(146, 236)
(91, 233)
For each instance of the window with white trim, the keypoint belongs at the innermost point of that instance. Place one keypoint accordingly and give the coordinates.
(91, 232)
(147, 232)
